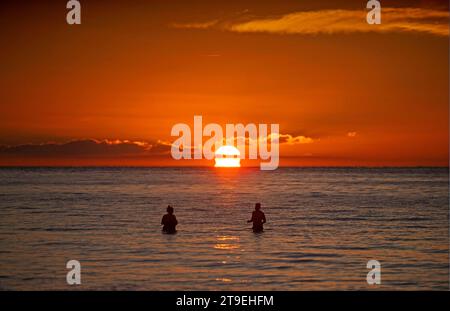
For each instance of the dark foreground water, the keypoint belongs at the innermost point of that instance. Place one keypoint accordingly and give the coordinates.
(323, 226)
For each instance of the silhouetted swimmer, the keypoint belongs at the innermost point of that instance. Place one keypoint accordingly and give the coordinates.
(258, 218)
(169, 221)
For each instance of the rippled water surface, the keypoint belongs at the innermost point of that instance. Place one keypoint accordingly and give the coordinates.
(323, 226)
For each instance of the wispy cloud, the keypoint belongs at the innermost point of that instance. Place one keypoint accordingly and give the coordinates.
(405, 20)
(295, 140)
(282, 139)
(201, 25)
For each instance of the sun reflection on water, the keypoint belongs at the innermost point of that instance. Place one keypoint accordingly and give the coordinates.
(227, 242)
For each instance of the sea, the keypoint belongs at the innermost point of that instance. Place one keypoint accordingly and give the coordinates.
(323, 227)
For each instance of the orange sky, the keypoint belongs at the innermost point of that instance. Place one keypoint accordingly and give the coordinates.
(131, 70)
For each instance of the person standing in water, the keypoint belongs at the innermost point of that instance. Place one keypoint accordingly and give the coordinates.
(258, 218)
(169, 221)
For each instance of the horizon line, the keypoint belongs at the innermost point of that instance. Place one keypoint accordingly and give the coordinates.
(212, 167)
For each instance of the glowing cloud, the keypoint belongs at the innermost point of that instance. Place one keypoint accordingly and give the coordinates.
(405, 20)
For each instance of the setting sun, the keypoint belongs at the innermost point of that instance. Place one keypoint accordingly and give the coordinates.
(227, 156)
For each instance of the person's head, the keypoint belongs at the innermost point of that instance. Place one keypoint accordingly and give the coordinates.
(257, 206)
(169, 209)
